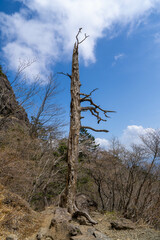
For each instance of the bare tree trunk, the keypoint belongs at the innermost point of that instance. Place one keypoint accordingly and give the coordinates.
(68, 197)
(73, 141)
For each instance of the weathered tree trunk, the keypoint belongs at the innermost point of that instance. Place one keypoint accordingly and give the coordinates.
(68, 197)
(73, 142)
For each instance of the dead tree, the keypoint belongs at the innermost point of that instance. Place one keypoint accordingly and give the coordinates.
(68, 198)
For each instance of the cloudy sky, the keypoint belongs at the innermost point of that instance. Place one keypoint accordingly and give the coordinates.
(121, 57)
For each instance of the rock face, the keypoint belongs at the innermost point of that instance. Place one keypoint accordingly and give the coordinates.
(9, 107)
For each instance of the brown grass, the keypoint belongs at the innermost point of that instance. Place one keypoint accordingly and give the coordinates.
(16, 217)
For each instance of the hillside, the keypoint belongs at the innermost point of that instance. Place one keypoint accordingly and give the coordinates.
(17, 219)
(19, 222)
(120, 191)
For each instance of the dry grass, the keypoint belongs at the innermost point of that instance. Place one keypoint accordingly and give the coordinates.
(141, 231)
(16, 217)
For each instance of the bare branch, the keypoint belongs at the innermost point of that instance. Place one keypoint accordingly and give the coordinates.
(87, 95)
(79, 31)
(95, 130)
(85, 37)
(94, 112)
(22, 66)
(94, 108)
(66, 74)
(95, 105)
(47, 110)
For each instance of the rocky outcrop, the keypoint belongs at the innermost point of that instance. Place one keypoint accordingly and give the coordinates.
(19, 222)
(122, 224)
(9, 107)
(58, 224)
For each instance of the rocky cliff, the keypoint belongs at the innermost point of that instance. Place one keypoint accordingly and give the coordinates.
(10, 110)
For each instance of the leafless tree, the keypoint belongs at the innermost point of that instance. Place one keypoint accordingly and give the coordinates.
(25, 88)
(47, 119)
(77, 98)
(151, 142)
(16, 94)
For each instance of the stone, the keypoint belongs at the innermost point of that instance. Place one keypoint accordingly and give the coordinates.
(44, 235)
(100, 236)
(90, 231)
(12, 237)
(91, 234)
(82, 238)
(122, 224)
(61, 215)
(74, 230)
(85, 203)
(82, 220)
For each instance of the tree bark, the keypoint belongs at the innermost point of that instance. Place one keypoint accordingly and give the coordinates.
(68, 197)
(73, 142)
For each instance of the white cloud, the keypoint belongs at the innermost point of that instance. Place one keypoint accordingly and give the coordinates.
(131, 135)
(104, 143)
(157, 37)
(46, 29)
(119, 56)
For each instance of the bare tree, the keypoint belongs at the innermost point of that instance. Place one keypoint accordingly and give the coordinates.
(47, 114)
(151, 142)
(25, 88)
(16, 94)
(69, 195)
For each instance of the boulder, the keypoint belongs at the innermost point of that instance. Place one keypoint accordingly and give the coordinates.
(74, 230)
(122, 224)
(61, 215)
(91, 234)
(85, 203)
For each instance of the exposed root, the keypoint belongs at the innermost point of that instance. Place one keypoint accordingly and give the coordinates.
(84, 214)
(77, 212)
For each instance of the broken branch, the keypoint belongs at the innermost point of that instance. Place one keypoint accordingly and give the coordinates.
(66, 74)
(87, 95)
(94, 112)
(85, 36)
(95, 130)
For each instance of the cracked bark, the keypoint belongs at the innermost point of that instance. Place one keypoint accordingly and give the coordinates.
(68, 197)
(73, 141)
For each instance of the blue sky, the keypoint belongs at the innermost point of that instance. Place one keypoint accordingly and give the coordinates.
(121, 57)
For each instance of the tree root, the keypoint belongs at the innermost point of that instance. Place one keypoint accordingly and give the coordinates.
(84, 214)
(76, 212)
